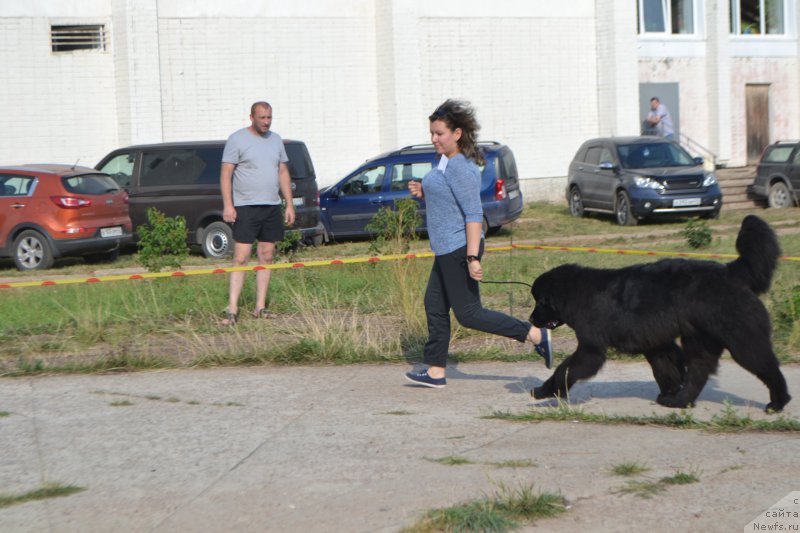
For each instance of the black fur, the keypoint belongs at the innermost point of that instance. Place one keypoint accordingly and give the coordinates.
(644, 308)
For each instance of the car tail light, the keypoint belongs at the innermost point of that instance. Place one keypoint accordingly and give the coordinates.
(71, 202)
(500, 189)
(317, 198)
(125, 198)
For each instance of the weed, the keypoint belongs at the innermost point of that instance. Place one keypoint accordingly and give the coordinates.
(501, 511)
(680, 478)
(643, 489)
(628, 469)
(514, 463)
(48, 490)
(726, 422)
(697, 233)
(4, 413)
(162, 241)
(451, 460)
(399, 413)
(121, 403)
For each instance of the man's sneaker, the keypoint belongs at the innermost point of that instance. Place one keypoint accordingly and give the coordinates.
(422, 378)
(544, 348)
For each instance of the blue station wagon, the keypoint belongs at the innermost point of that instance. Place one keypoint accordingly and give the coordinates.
(348, 206)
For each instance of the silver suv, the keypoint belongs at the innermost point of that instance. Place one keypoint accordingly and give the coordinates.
(778, 175)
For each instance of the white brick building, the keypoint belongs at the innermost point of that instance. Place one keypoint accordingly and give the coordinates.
(353, 78)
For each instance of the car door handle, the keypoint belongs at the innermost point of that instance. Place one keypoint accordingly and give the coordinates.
(17, 206)
(377, 200)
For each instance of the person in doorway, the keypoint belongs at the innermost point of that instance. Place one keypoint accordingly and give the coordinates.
(254, 171)
(659, 119)
(455, 216)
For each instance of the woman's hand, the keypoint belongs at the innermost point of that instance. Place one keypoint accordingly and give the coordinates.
(475, 269)
(416, 189)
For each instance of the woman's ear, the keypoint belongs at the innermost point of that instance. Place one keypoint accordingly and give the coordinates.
(457, 134)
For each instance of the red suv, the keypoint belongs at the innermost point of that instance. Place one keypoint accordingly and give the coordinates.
(51, 211)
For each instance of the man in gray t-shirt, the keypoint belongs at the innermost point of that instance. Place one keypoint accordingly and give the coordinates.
(660, 119)
(254, 171)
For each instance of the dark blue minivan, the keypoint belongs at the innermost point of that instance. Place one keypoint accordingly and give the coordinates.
(349, 205)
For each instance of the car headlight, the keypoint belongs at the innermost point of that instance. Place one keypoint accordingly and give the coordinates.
(709, 180)
(648, 183)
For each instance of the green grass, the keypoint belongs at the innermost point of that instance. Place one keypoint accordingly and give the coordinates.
(727, 421)
(514, 463)
(628, 469)
(49, 490)
(354, 313)
(647, 489)
(451, 460)
(506, 510)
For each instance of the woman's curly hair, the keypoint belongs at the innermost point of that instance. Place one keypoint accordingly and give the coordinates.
(459, 114)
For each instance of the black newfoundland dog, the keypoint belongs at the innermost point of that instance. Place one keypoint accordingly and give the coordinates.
(645, 308)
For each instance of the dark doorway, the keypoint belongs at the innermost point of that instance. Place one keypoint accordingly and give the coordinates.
(757, 102)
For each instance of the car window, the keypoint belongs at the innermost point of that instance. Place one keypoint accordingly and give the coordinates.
(120, 168)
(796, 159)
(365, 182)
(508, 165)
(593, 155)
(654, 155)
(777, 154)
(300, 166)
(207, 163)
(402, 174)
(90, 184)
(173, 167)
(606, 155)
(13, 185)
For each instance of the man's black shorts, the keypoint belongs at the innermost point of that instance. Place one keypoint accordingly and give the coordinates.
(262, 223)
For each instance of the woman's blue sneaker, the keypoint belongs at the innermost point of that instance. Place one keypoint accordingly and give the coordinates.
(544, 348)
(422, 378)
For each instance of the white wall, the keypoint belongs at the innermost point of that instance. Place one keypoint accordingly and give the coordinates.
(354, 78)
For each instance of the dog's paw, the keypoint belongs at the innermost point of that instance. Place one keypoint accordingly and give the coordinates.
(540, 393)
(673, 401)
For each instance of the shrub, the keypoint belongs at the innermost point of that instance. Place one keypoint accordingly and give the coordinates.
(396, 228)
(697, 233)
(162, 241)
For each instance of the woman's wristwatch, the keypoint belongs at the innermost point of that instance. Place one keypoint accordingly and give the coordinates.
(471, 258)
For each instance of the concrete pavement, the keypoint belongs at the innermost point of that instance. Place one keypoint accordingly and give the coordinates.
(353, 448)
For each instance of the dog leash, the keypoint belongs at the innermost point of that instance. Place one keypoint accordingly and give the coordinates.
(508, 283)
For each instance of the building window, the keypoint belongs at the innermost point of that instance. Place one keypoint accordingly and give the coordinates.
(83, 37)
(673, 17)
(758, 17)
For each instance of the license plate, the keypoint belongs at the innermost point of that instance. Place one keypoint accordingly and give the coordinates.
(116, 231)
(297, 202)
(686, 202)
(513, 194)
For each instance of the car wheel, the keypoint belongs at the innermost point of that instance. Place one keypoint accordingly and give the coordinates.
(575, 202)
(105, 257)
(32, 252)
(623, 210)
(317, 240)
(779, 196)
(218, 240)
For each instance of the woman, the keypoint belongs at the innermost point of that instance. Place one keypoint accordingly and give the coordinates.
(455, 219)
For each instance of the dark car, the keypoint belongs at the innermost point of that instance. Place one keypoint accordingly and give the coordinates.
(349, 205)
(182, 179)
(778, 175)
(52, 211)
(640, 177)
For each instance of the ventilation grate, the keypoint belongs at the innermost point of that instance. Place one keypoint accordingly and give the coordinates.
(83, 37)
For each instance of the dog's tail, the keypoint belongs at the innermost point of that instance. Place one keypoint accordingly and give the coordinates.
(759, 252)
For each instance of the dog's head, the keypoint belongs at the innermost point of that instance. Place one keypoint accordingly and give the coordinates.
(547, 290)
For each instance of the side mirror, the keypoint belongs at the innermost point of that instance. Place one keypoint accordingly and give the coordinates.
(334, 193)
(607, 165)
(699, 160)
